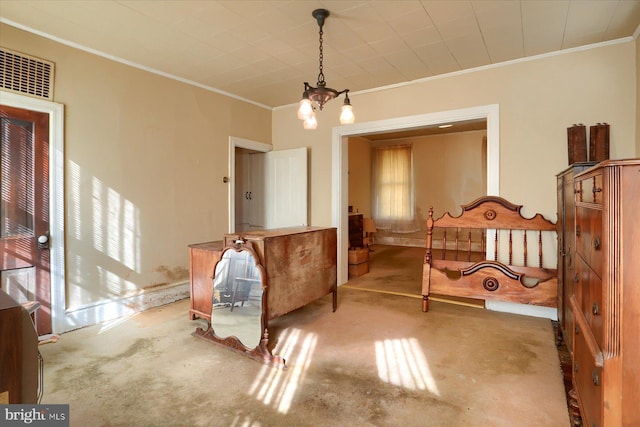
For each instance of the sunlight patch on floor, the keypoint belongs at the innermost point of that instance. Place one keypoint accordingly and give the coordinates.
(245, 421)
(113, 323)
(401, 362)
(276, 387)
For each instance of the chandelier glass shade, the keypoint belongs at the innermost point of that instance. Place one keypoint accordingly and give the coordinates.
(316, 97)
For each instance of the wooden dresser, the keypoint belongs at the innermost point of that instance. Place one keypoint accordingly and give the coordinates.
(300, 264)
(202, 261)
(567, 248)
(606, 303)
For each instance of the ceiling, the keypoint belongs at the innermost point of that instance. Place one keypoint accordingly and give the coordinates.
(436, 129)
(263, 51)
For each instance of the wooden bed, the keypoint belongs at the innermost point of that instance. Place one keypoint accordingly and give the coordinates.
(485, 253)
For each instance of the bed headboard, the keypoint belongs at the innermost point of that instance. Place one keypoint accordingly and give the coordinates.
(489, 216)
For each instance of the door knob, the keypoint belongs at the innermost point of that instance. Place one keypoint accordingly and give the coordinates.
(43, 241)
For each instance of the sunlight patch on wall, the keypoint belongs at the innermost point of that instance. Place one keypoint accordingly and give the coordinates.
(401, 362)
(130, 236)
(75, 279)
(113, 283)
(116, 226)
(98, 238)
(277, 388)
(73, 177)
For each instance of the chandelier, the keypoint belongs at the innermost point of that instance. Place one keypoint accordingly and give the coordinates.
(316, 97)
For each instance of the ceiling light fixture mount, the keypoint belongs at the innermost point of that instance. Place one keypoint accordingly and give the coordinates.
(316, 97)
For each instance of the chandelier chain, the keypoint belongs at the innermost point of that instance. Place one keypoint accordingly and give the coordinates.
(321, 81)
(316, 97)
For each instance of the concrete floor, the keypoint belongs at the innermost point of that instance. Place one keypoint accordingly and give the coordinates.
(377, 361)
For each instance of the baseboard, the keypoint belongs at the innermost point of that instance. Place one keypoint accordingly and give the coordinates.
(105, 310)
(399, 241)
(524, 309)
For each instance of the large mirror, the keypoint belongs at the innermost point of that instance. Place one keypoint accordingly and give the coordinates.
(239, 308)
(237, 298)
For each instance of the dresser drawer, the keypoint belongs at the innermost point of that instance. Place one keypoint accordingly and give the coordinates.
(589, 189)
(589, 243)
(589, 297)
(588, 380)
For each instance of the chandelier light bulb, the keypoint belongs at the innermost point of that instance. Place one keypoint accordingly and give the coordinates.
(346, 116)
(310, 122)
(306, 109)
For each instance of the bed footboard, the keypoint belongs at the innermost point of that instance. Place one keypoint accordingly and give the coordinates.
(474, 255)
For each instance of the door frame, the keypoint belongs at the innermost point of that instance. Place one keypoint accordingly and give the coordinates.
(235, 142)
(56, 198)
(340, 162)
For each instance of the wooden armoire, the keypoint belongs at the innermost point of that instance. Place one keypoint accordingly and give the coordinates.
(606, 302)
(567, 248)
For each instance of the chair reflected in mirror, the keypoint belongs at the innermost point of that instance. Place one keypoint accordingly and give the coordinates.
(236, 282)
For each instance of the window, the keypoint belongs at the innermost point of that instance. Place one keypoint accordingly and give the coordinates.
(392, 178)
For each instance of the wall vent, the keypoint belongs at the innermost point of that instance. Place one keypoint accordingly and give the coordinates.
(25, 74)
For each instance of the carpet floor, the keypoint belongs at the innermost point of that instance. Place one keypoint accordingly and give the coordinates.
(377, 361)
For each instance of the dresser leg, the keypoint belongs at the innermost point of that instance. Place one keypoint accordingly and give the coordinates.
(574, 409)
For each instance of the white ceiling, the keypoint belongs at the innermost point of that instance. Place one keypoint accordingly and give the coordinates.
(263, 51)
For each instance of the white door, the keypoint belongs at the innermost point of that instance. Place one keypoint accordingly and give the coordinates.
(285, 188)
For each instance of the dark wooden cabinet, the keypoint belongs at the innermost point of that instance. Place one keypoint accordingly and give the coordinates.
(567, 248)
(18, 353)
(606, 301)
(356, 230)
(202, 260)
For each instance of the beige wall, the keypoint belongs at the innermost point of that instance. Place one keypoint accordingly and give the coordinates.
(360, 175)
(450, 170)
(144, 159)
(538, 100)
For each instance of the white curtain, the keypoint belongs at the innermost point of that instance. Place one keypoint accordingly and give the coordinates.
(392, 180)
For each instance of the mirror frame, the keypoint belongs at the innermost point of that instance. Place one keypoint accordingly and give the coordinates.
(260, 352)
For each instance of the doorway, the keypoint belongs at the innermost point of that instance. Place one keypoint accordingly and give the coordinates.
(237, 146)
(340, 156)
(54, 170)
(270, 192)
(445, 168)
